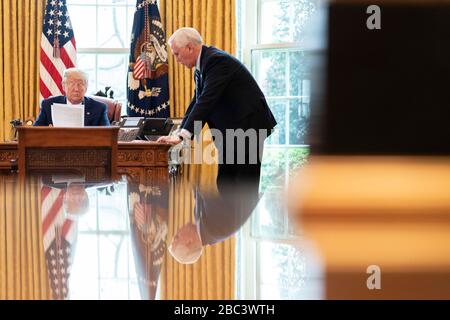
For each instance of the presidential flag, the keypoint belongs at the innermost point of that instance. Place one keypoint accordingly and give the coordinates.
(148, 225)
(58, 48)
(148, 83)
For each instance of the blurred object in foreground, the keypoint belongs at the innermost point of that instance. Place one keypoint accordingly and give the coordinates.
(391, 212)
(375, 194)
(384, 91)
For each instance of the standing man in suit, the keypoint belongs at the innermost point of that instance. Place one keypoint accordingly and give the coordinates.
(75, 83)
(229, 100)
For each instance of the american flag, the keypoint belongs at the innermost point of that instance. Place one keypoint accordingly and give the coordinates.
(59, 237)
(58, 48)
(141, 69)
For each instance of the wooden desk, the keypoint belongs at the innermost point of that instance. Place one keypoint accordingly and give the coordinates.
(9, 151)
(142, 160)
(91, 150)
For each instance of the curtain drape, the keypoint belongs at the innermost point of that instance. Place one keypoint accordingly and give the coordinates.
(23, 272)
(20, 36)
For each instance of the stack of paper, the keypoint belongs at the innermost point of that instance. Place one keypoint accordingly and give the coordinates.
(64, 115)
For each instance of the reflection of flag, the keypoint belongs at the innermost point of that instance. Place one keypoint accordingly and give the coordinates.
(58, 234)
(58, 48)
(140, 214)
(148, 235)
(148, 85)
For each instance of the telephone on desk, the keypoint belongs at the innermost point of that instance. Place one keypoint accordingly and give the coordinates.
(18, 122)
(140, 128)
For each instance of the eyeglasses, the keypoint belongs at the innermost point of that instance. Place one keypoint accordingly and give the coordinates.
(72, 84)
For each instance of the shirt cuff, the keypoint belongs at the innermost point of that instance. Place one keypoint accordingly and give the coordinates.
(185, 134)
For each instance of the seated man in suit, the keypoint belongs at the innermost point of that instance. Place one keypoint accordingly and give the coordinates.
(75, 83)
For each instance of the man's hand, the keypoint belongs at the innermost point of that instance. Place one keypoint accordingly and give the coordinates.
(173, 140)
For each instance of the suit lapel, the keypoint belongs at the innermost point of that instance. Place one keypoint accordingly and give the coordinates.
(87, 111)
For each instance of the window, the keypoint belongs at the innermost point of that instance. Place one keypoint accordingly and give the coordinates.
(102, 32)
(271, 43)
(103, 264)
(277, 58)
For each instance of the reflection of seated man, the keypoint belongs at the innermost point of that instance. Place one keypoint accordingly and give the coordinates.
(217, 217)
(75, 83)
(76, 200)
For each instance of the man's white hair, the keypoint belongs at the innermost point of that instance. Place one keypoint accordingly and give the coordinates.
(184, 36)
(68, 72)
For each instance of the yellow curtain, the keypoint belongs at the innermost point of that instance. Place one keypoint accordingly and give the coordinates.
(20, 34)
(23, 273)
(215, 20)
(213, 275)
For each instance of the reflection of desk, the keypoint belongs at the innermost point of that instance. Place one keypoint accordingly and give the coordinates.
(140, 159)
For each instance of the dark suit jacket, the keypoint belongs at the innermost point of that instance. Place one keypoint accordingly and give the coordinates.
(220, 216)
(229, 96)
(95, 113)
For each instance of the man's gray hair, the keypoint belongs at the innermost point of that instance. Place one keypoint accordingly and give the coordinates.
(184, 36)
(68, 72)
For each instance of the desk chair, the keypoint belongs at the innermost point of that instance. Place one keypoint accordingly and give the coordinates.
(114, 107)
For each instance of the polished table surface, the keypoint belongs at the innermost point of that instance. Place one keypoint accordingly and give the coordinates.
(118, 248)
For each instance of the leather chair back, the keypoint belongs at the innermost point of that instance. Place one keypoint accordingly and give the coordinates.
(114, 107)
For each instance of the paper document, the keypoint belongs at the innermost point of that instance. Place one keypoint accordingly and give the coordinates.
(64, 115)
